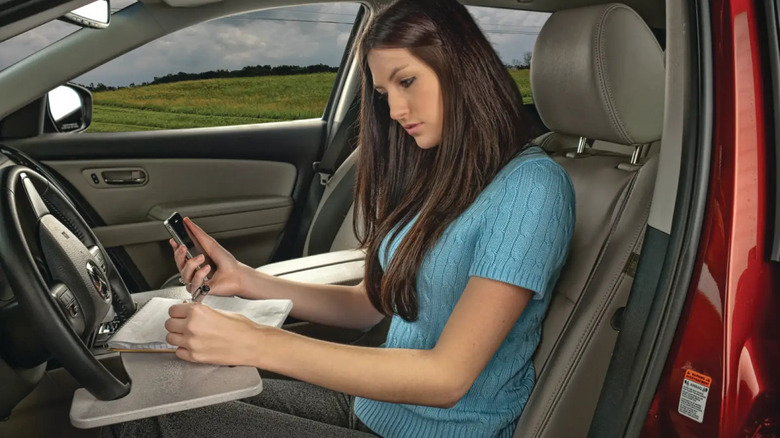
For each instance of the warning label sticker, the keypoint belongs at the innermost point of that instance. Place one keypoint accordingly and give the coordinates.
(693, 398)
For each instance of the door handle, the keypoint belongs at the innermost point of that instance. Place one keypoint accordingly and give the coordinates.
(124, 177)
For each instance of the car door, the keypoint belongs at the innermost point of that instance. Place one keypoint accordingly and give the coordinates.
(221, 135)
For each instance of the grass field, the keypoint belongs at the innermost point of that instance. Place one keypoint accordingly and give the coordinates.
(223, 102)
(523, 82)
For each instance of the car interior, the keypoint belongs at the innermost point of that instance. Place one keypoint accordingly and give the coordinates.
(612, 87)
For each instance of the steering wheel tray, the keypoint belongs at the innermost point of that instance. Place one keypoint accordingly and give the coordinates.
(162, 384)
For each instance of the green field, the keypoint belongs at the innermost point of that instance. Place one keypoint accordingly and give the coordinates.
(222, 102)
(523, 82)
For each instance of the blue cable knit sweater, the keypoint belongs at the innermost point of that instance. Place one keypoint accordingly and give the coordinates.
(517, 231)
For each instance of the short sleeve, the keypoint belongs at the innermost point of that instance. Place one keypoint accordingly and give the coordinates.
(527, 227)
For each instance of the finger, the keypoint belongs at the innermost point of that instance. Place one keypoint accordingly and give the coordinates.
(183, 353)
(179, 253)
(209, 244)
(203, 238)
(199, 276)
(180, 256)
(179, 310)
(189, 269)
(176, 325)
(176, 339)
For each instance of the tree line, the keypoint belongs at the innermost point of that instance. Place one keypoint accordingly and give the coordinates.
(522, 64)
(260, 70)
(246, 72)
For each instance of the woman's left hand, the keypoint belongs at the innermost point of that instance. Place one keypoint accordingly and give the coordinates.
(207, 335)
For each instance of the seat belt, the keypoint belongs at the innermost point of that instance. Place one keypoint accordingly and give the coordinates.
(336, 151)
(339, 147)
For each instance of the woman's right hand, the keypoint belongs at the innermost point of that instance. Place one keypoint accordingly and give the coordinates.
(229, 275)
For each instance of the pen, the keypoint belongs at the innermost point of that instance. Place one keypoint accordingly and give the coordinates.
(203, 290)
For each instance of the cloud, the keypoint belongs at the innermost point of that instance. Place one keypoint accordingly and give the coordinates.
(25, 44)
(300, 35)
(19, 47)
(511, 32)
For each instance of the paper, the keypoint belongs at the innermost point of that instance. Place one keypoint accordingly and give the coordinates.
(145, 330)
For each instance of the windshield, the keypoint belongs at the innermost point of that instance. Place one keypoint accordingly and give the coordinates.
(25, 44)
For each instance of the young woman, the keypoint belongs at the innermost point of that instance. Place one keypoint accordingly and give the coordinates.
(466, 229)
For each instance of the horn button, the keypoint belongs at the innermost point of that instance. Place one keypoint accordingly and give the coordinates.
(71, 263)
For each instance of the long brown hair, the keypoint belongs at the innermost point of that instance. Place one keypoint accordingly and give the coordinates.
(484, 126)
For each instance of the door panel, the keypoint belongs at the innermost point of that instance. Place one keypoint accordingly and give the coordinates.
(296, 142)
(253, 246)
(244, 185)
(247, 201)
(185, 183)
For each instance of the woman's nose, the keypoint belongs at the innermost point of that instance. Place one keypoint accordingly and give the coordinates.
(398, 108)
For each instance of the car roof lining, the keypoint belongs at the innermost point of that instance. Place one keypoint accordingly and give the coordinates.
(29, 16)
(652, 11)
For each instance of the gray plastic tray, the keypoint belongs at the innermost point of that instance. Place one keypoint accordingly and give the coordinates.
(163, 383)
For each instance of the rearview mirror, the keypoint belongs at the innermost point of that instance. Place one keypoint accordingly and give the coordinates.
(96, 14)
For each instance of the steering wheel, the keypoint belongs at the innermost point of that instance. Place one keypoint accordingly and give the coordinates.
(62, 278)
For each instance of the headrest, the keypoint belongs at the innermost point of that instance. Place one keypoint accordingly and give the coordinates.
(598, 72)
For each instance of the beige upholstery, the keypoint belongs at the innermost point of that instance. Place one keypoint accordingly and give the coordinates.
(577, 336)
(598, 73)
(345, 236)
(613, 199)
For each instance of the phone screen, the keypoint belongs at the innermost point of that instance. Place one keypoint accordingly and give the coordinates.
(182, 236)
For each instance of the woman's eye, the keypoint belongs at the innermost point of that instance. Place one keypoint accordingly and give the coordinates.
(406, 83)
(382, 96)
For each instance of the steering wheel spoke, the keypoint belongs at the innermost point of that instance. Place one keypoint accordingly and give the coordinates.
(36, 201)
(97, 254)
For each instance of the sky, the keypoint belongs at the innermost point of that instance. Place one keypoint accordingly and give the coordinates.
(300, 35)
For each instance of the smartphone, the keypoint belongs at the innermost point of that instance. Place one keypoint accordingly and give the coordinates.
(182, 236)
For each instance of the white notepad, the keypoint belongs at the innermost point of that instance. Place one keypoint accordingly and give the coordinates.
(145, 330)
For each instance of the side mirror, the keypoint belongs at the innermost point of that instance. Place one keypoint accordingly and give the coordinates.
(68, 109)
(96, 15)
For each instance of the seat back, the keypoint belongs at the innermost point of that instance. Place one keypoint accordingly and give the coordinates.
(597, 74)
(331, 228)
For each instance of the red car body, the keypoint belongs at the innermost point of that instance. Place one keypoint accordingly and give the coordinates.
(729, 330)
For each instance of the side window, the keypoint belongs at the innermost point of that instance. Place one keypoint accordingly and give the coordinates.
(266, 66)
(513, 34)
